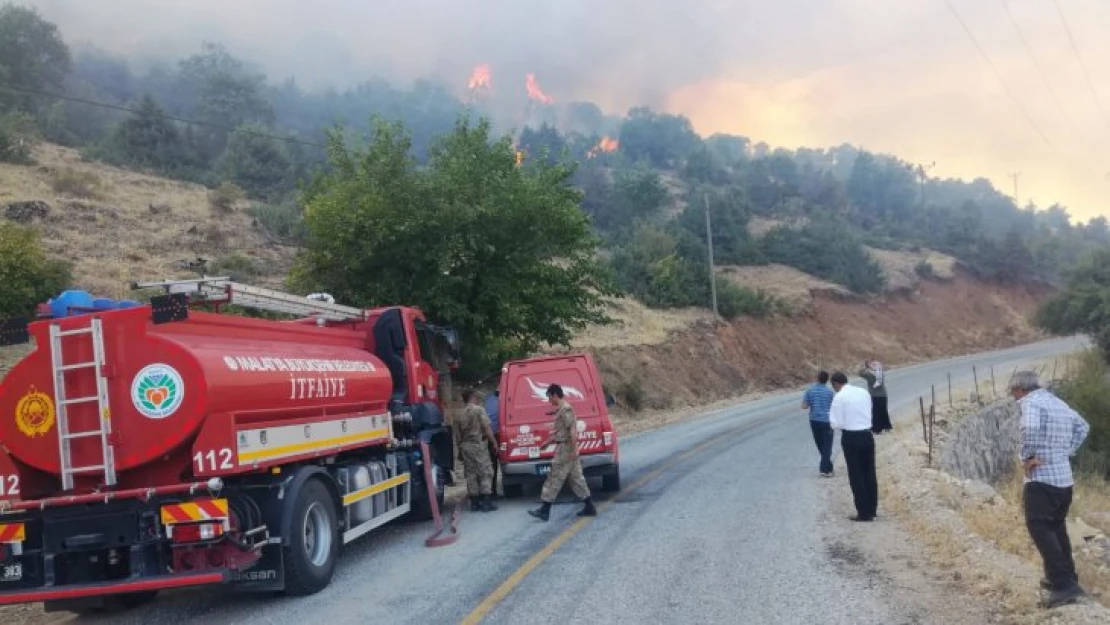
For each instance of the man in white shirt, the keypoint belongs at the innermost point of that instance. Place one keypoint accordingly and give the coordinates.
(851, 413)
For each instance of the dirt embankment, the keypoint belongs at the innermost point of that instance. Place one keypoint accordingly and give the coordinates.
(712, 361)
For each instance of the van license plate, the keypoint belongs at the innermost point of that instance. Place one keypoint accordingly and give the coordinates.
(11, 572)
(543, 469)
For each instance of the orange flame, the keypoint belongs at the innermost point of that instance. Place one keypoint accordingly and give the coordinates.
(481, 77)
(607, 144)
(519, 157)
(534, 90)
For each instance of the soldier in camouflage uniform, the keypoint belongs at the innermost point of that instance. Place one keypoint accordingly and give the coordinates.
(474, 436)
(565, 466)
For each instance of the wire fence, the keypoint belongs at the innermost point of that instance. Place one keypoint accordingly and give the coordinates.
(1061, 369)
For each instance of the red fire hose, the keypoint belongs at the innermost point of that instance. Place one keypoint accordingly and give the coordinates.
(436, 540)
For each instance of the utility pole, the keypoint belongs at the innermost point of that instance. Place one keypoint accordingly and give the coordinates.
(922, 176)
(709, 241)
(1015, 176)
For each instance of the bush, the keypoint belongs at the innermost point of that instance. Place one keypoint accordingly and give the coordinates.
(651, 269)
(80, 184)
(28, 275)
(632, 394)
(18, 137)
(924, 269)
(1088, 392)
(283, 221)
(224, 198)
(238, 266)
(828, 250)
(739, 301)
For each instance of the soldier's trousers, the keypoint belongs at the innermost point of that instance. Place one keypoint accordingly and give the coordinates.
(479, 471)
(565, 468)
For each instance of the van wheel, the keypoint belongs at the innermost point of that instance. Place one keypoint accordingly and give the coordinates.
(132, 600)
(314, 541)
(612, 481)
(513, 491)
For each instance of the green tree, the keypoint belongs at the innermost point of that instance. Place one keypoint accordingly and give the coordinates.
(18, 136)
(28, 275)
(147, 140)
(1083, 305)
(257, 162)
(226, 92)
(504, 253)
(658, 138)
(33, 57)
(652, 268)
(637, 194)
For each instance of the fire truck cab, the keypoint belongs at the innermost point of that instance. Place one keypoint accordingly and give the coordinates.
(525, 420)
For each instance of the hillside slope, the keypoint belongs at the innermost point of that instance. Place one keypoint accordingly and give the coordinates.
(707, 361)
(126, 226)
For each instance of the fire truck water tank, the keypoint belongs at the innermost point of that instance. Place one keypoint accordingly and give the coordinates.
(166, 381)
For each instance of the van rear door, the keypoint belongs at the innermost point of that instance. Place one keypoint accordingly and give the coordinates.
(526, 415)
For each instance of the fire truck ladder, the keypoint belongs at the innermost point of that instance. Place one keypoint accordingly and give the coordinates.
(224, 291)
(104, 423)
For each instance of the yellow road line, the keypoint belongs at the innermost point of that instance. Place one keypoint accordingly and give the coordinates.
(498, 595)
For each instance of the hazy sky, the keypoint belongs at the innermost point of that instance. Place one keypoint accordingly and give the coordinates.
(897, 76)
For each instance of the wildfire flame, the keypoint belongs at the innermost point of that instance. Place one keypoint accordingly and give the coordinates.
(607, 144)
(534, 90)
(519, 157)
(481, 77)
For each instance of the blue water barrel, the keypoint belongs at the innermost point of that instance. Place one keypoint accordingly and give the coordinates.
(128, 303)
(104, 303)
(59, 306)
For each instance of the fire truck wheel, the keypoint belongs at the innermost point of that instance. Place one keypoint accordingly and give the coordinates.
(314, 541)
(611, 482)
(422, 508)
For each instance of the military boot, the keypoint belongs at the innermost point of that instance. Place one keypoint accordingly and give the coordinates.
(542, 513)
(588, 509)
(475, 504)
(487, 504)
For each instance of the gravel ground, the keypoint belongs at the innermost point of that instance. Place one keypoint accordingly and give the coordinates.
(722, 520)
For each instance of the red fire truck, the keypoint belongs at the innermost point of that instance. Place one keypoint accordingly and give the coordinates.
(157, 446)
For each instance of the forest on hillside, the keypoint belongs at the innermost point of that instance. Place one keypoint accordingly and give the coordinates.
(645, 178)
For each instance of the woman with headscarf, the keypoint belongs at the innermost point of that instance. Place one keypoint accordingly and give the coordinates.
(876, 385)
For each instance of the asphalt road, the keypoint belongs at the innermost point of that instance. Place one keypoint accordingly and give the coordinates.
(717, 523)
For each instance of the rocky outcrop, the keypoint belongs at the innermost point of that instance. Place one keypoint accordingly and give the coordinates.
(984, 446)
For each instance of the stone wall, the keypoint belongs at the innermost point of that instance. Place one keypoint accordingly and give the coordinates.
(984, 446)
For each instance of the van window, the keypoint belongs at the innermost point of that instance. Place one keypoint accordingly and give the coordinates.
(528, 401)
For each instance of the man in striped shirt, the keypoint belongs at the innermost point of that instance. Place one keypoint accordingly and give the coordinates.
(1051, 433)
(817, 400)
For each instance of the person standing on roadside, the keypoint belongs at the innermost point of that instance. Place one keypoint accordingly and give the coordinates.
(1051, 433)
(817, 400)
(474, 439)
(565, 466)
(872, 372)
(850, 412)
(493, 401)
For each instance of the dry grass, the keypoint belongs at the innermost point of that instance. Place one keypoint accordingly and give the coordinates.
(637, 324)
(795, 288)
(900, 267)
(119, 237)
(759, 226)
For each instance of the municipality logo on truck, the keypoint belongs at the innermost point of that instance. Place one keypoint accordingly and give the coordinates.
(157, 391)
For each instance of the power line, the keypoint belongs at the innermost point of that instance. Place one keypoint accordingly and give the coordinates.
(1082, 65)
(1033, 57)
(125, 109)
(997, 74)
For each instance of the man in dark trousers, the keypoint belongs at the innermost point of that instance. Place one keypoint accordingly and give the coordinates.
(817, 400)
(1051, 433)
(851, 413)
